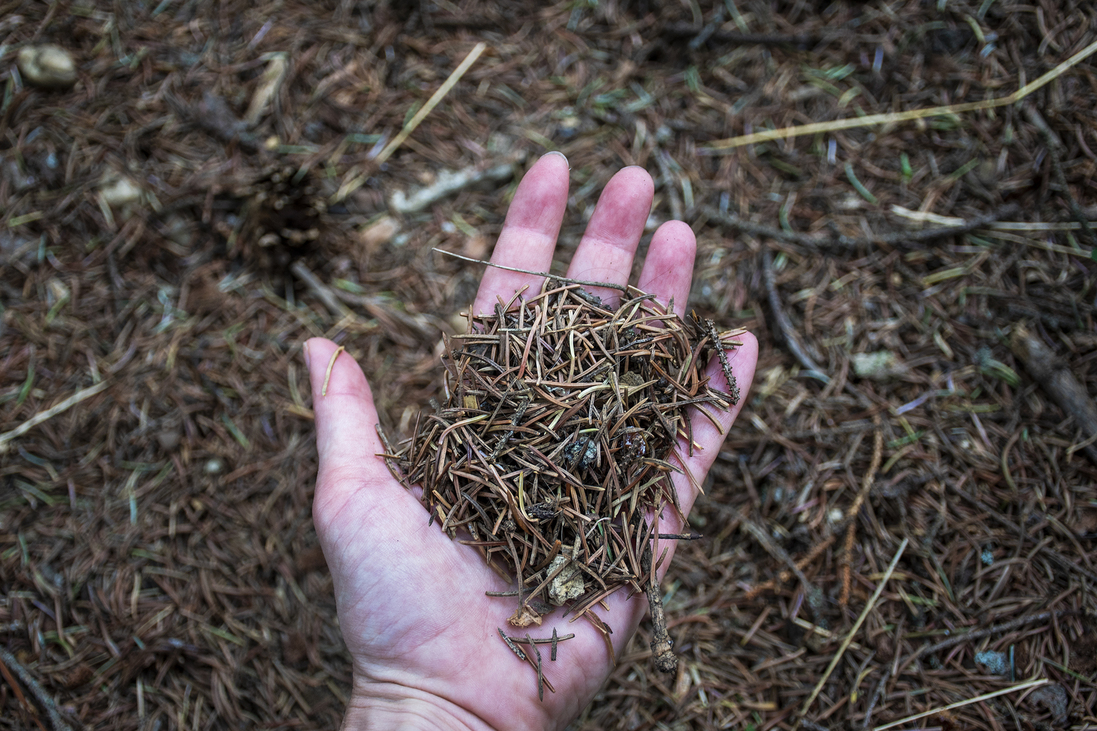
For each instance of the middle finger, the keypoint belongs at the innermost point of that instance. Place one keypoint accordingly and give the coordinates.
(606, 251)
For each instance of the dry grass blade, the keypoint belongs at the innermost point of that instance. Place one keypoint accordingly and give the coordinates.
(907, 116)
(856, 626)
(49, 413)
(965, 702)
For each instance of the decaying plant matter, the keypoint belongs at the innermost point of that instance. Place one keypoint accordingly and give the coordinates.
(555, 447)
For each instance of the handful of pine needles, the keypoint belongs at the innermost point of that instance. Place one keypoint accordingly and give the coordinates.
(558, 438)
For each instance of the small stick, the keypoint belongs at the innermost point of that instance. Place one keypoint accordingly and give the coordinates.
(733, 387)
(661, 644)
(681, 536)
(22, 699)
(37, 690)
(554, 641)
(980, 633)
(875, 699)
(784, 324)
(582, 282)
(321, 290)
(899, 239)
(1053, 375)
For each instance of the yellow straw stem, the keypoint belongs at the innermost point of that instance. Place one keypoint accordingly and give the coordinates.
(893, 117)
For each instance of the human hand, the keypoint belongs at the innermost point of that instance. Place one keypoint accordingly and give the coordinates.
(421, 633)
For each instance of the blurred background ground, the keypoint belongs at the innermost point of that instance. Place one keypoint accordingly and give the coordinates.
(208, 195)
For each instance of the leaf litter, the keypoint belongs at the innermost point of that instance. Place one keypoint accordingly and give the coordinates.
(158, 567)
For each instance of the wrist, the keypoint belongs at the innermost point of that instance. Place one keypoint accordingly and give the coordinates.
(390, 706)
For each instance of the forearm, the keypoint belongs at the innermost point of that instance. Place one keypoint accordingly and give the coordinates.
(385, 706)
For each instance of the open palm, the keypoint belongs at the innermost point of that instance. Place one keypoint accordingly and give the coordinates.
(412, 609)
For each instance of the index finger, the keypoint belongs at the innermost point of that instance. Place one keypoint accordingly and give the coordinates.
(529, 234)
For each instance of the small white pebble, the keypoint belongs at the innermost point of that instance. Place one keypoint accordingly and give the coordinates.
(119, 191)
(47, 66)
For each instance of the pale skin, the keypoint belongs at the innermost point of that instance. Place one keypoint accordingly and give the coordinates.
(421, 633)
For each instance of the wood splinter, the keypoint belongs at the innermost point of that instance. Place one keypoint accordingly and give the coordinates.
(1056, 379)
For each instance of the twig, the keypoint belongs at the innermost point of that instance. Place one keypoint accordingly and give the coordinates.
(959, 704)
(893, 117)
(784, 324)
(511, 644)
(856, 626)
(977, 634)
(725, 366)
(540, 670)
(662, 647)
(446, 184)
(1055, 378)
(49, 413)
(37, 690)
(898, 239)
(580, 282)
(876, 693)
(851, 514)
(321, 290)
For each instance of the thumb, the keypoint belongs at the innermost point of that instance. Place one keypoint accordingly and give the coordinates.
(346, 437)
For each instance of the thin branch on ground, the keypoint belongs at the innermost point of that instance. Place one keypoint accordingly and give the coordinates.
(784, 324)
(1055, 377)
(898, 239)
(44, 699)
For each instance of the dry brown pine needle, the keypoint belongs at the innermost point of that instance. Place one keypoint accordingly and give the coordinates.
(558, 436)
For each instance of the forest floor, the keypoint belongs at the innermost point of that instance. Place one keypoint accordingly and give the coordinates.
(909, 495)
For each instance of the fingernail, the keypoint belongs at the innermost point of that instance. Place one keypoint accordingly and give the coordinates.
(557, 152)
(307, 355)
